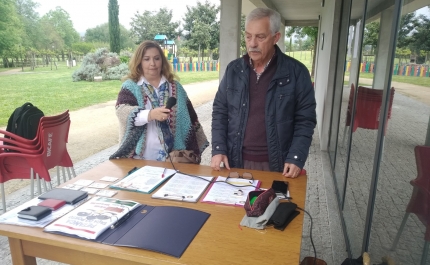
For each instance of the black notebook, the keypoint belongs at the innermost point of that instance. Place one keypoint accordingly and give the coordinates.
(34, 213)
(164, 229)
(70, 196)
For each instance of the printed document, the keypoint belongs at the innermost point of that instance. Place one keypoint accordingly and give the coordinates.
(223, 193)
(93, 217)
(145, 179)
(182, 187)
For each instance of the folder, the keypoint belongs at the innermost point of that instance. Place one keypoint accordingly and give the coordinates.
(164, 229)
(70, 196)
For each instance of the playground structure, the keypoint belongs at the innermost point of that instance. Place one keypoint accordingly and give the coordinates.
(418, 70)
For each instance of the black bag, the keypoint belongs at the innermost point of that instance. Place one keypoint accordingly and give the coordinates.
(24, 121)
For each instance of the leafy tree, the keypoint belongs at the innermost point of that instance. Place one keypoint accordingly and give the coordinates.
(311, 33)
(10, 27)
(407, 25)
(198, 18)
(242, 35)
(145, 26)
(61, 22)
(30, 20)
(371, 33)
(101, 34)
(114, 31)
(421, 37)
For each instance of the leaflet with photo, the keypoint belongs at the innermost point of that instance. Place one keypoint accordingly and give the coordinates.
(93, 217)
(145, 179)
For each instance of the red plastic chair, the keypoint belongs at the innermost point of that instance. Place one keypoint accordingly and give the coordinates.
(368, 108)
(419, 204)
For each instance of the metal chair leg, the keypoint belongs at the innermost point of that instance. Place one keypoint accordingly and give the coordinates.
(39, 186)
(32, 183)
(50, 185)
(64, 174)
(425, 252)
(396, 240)
(73, 172)
(68, 173)
(58, 175)
(3, 197)
(45, 186)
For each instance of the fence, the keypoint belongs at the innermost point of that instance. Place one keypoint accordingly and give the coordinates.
(417, 70)
(196, 66)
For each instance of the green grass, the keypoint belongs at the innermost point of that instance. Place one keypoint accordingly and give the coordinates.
(303, 56)
(414, 80)
(2, 69)
(54, 91)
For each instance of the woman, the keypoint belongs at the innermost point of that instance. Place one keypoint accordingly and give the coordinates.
(148, 130)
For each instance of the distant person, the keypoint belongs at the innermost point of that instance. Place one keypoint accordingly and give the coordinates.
(264, 111)
(149, 130)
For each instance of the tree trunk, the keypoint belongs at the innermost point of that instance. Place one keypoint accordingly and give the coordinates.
(313, 58)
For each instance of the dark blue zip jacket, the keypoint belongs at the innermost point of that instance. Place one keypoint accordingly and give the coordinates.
(289, 113)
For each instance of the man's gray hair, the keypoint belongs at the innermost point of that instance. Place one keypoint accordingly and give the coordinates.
(262, 12)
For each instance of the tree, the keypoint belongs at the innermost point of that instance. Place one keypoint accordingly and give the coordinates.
(421, 37)
(145, 26)
(101, 34)
(371, 33)
(32, 33)
(114, 31)
(10, 28)
(311, 32)
(203, 16)
(407, 25)
(242, 35)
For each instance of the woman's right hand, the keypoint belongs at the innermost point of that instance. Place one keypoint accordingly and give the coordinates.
(159, 114)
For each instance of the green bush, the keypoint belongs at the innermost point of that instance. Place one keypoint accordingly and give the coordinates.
(116, 73)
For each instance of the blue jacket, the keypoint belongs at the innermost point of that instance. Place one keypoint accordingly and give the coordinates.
(289, 113)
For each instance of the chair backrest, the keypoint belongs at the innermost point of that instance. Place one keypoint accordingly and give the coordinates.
(422, 157)
(54, 140)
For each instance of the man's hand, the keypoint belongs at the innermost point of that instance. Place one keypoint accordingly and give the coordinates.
(291, 171)
(216, 162)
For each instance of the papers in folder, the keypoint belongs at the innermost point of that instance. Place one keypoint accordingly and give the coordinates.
(145, 179)
(224, 193)
(183, 188)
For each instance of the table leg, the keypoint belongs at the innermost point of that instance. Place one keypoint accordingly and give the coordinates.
(17, 253)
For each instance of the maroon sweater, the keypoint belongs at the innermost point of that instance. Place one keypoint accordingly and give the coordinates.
(255, 140)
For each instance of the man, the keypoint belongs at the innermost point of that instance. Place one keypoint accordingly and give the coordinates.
(264, 111)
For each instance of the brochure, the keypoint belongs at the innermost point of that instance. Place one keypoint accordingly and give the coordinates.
(145, 179)
(223, 193)
(182, 187)
(93, 217)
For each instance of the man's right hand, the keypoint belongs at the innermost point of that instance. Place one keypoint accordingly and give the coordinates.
(216, 162)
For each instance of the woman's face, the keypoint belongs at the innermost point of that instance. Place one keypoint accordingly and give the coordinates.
(151, 63)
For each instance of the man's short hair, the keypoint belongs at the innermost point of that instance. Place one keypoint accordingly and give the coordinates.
(262, 12)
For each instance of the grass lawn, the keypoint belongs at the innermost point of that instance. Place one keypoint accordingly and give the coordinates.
(54, 91)
(414, 80)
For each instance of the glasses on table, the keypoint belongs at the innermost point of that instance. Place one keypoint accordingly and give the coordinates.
(245, 175)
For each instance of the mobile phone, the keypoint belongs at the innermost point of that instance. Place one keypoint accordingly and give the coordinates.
(280, 186)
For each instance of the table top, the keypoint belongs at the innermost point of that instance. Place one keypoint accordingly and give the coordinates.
(221, 239)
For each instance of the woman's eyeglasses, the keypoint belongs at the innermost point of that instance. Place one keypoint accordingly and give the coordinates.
(245, 175)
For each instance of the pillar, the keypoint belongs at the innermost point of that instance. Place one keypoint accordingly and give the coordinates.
(229, 47)
(281, 42)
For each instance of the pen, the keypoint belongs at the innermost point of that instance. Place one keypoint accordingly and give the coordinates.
(164, 171)
(120, 221)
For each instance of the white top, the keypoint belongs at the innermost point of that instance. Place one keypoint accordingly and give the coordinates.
(153, 144)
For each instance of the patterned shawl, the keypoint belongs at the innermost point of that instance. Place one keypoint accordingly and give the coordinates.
(188, 132)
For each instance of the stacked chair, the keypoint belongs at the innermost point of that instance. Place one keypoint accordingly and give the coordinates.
(419, 203)
(20, 158)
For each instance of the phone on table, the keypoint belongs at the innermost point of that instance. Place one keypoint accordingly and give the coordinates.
(280, 186)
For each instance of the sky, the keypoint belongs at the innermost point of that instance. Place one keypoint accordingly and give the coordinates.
(87, 14)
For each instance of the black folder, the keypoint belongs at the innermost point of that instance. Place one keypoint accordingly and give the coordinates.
(70, 196)
(165, 229)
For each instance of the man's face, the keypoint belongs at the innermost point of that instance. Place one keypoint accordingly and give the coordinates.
(259, 40)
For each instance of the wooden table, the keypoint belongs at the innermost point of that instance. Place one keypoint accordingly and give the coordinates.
(220, 241)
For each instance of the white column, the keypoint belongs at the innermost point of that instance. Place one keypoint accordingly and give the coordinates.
(355, 62)
(383, 59)
(281, 42)
(229, 46)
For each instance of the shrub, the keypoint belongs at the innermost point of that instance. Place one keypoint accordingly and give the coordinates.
(100, 63)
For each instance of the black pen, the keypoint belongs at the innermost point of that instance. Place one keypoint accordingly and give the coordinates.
(120, 221)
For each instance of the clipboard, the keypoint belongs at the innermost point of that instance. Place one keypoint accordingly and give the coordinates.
(164, 229)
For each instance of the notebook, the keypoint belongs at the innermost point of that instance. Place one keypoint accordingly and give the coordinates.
(70, 196)
(35, 213)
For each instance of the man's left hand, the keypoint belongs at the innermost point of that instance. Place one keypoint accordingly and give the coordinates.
(291, 171)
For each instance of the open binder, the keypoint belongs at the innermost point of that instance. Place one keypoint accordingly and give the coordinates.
(165, 229)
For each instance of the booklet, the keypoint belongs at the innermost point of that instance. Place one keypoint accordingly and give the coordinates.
(145, 179)
(182, 187)
(93, 217)
(223, 193)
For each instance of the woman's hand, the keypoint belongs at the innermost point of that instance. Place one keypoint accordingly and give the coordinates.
(159, 114)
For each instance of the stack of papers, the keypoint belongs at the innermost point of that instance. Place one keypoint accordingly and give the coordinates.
(223, 193)
(145, 179)
(183, 188)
